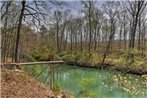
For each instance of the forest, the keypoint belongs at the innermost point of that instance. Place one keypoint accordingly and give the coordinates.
(103, 45)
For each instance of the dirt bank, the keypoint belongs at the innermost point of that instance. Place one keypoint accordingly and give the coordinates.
(16, 84)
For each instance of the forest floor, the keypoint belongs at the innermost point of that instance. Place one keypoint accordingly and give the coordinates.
(18, 84)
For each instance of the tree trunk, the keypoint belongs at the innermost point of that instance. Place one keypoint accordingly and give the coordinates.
(120, 37)
(124, 27)
(139, 33)
(81, 41)
(109, 43)
(62, 37)
(57, 24)
(18, 31)
(71, 39)
(95, 39)
(90, 35)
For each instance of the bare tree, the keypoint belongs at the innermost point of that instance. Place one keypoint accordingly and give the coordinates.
(135, 8)
(89, 7)
(111, 9)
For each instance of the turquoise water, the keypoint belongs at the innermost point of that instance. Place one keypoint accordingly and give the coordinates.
(95, 83)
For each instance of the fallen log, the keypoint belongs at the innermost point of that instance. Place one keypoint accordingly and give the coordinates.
(33, 63)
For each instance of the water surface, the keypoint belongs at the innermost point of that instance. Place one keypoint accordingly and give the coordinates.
(98, 83)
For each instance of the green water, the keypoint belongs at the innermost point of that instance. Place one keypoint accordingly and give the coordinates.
(98, 83)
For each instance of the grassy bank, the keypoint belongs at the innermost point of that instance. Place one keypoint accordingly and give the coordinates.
(117, 61)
